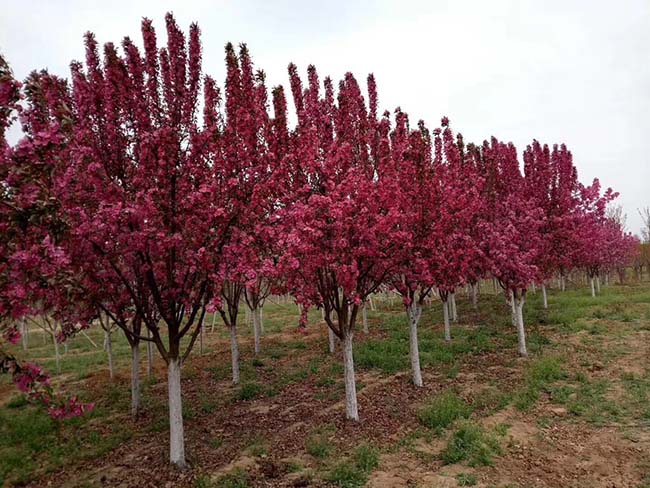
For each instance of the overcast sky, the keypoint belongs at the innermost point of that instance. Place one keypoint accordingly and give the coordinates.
(576, 72)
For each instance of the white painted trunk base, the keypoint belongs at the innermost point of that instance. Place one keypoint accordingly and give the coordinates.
(149, 355)
(453, 312)
(414, 311)
(474, 296)
(176, 435)
(135, 379)
(109, 353)
(234, 354)
(351, 410)
(364, 315)
(518, 319)
(24, 331)
(57, 354)
(544, 296)
(256, 329)
(332, 343)
(445, 315)
(593, 288)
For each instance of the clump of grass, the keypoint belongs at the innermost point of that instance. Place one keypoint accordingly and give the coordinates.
(347, 475)
(208, 405)
(249, 391)
(442, 410)
(235, 479)
(258, 446)
(318, 445)
(366, 457)
(490, 400)
(466, 479)
(473, 444)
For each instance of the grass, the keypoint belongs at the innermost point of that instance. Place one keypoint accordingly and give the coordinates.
(466, 479)
(471, 443)
(318, 444)
(31, 441)
(352, 473)
(539, 375)
(250, 391)
(237, 478)
(439, 412)
(366, 457)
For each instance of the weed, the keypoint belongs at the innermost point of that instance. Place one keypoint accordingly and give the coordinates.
(442, 410)
(473, 444)
(466, 479)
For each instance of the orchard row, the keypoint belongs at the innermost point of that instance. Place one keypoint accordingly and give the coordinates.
(145, 196)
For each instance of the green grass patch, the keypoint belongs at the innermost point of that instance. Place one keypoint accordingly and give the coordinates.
(466, 479)
(238, 478)
(471, 443)
(366, 457)
(250, 391)
(318, 444)
(442, 410)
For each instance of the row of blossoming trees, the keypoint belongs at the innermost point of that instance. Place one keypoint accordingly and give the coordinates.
(144, 194)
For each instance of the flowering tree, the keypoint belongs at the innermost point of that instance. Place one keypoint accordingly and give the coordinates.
(594, 231)
(148, 195)
(514, 221)
(30, 262)
(456, 211)
(415, 174)
(553, 185)
(340, 225)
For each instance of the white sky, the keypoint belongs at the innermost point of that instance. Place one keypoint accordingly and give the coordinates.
(576, 72)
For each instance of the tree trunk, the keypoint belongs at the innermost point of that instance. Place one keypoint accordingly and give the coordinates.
(234, 354)
(201, 338)
(593, 288)
(606, 279)
(149, 355)
(248, 315)
(413, 312)
(364, 315)
(453, 311)
(256, 329)
(57, 354)
(109, 353)
(563, 283)
(598, 284)
(521, 333)
(445, 315)
(534, 288)
(331, 340)
(261, 319)
(135, 379)
(24, 330)
(176, 436)
(351, 410)
(474, 296)
(544, 296)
